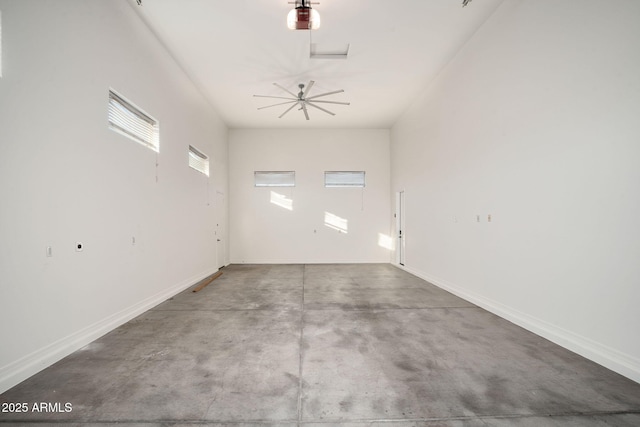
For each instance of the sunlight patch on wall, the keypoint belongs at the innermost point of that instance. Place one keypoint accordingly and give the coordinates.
(281, 200)
(335, 222)
(385, 241)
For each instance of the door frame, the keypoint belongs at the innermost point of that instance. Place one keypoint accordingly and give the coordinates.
(220, 231)
(401, 234)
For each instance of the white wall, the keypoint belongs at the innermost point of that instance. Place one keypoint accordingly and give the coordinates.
(65, 177)
(536, 123)
(266, 232)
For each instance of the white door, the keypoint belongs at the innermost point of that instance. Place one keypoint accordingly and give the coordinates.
(400, 227)
(221, 218)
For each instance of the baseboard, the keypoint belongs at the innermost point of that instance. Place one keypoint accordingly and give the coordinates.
(317, 261)
(23, 368)
(606, 356)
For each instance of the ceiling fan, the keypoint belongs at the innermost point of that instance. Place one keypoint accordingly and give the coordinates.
(302, 100)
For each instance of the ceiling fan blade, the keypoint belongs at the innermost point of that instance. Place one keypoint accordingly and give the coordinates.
(281, 103)
(306, 91)
(333, 102)
(325, 94)
(286, 90)
(319, 108)
(288, 109)
(278, 97)
(304, 108)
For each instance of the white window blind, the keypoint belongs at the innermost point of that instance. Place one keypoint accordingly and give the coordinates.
(344, 179)
(132, 122)
(275, 179)
(198, 160)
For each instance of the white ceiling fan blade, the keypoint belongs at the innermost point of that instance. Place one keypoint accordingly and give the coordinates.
(281, 103)
(278, 97)
(304, 108)
(288, 109)
(325, 94)
(286, 90)
(333, 102)
(320, 108)
(306, 91)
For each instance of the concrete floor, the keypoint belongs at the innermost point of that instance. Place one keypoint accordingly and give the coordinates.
(325, 345)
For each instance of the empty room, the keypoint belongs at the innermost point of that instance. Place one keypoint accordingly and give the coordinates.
(266, 213)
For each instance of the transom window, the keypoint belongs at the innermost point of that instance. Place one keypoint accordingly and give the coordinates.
(275, 178)
(344, 179)
(198, 160)
(130, 121)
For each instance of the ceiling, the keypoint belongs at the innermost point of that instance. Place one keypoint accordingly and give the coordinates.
(233, 49)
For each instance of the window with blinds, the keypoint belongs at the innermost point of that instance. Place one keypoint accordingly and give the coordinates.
(274, 178)
(344, 179)
(132, 122)
(198, 160)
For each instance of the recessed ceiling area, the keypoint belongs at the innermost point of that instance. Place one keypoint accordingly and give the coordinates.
(237, 48)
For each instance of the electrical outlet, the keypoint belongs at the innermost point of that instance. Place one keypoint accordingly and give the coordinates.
(477, 218)
(49, 251)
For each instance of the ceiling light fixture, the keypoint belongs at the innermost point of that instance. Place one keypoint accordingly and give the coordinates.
(303, 17)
